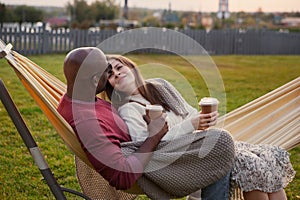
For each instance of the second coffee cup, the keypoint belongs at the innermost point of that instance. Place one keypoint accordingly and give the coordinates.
(154, 111)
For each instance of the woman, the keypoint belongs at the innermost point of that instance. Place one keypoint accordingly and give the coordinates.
(127, 98)
(261, 171)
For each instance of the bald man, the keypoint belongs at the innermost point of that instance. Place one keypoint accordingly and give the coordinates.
(101, 131)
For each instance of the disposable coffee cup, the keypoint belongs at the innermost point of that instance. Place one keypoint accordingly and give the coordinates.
(154, 111)
(208, 105)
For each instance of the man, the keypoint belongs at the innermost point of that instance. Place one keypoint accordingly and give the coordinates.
(101, 131)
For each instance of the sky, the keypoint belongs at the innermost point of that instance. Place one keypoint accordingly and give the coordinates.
(187, 5)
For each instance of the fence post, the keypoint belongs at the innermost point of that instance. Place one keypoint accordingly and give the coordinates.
(44, 40)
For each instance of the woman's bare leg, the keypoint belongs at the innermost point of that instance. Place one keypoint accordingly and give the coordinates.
(280, 195)
(255, 195)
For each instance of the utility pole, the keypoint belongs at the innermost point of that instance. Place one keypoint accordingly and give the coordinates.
(125, 11)
(223, 12)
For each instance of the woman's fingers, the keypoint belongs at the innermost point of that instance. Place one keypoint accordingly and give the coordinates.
(207, 120)
(209, 117)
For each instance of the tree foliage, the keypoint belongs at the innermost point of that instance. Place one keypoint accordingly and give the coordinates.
(2, 14)
(84, 15)
(28, 14)
(104, 10)
(20, 14)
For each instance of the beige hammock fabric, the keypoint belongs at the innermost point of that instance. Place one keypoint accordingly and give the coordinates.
(273, 118)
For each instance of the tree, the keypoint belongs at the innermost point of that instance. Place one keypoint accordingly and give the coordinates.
(83, 15)
(28, 14)
(104, 10)
(2, 14)
(151, 21)
(79, 10)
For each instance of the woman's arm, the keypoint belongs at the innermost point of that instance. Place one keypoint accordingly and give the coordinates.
(181, 125)
(200, 121)
(132, 114)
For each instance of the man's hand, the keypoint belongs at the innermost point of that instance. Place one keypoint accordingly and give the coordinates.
(157, 129)
(157, 126)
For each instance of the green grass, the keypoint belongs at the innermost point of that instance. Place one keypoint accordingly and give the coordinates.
(245, 78)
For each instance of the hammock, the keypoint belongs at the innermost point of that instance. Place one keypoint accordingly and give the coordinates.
(273, 118)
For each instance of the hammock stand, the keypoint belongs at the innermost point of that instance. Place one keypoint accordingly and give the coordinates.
(33, 148)
(273, 118)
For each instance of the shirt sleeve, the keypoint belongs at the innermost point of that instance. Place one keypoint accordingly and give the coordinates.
(106, 156)
(132, 113)
(192, 112)
(184, 127)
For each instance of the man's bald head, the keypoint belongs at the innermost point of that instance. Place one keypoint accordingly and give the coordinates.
(81, 66)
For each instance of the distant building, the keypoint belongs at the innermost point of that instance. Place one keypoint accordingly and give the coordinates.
(207, 22)
(169, 16)
(291, 21)
(118, 24)
(58, 21)
(277, 19)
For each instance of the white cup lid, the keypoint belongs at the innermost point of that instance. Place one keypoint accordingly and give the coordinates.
(154, 107)
(208, 101)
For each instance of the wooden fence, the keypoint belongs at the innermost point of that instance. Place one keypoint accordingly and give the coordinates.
(216, 42)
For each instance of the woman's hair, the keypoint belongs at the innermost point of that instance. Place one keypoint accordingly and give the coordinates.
(146, 89)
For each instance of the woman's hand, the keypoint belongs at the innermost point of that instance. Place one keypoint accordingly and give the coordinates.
(204, 121)
(157, 126)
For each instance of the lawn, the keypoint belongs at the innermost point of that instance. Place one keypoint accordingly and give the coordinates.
(245, 78)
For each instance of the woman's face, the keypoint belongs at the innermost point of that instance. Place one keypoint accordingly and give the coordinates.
(121, 77)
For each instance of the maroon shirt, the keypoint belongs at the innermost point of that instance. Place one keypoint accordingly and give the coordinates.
(100, 131)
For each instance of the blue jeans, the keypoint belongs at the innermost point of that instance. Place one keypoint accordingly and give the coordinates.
(216, 191)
